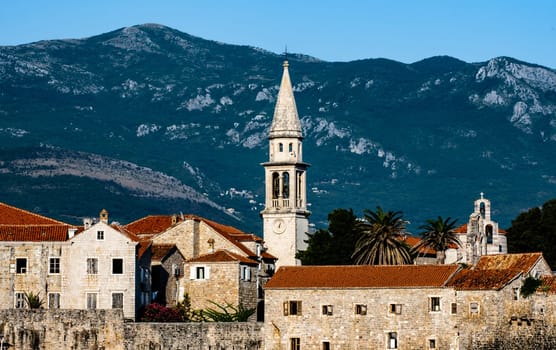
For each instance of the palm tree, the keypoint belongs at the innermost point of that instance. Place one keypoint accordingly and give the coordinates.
(380, 240)
(439, 235)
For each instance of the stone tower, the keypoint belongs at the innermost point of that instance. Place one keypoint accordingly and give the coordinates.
(285, 216)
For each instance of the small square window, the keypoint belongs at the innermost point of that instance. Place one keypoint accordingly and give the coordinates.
(392, 340)
(200, 272)
(53, 300)
(396, 309)
(54, 265)
(92, 301)
(100, 235)
(21, 265)
(117, 300)
(432, 343)
(474, 308)
(20, 300)
(292, 308)
(92, 266)
(295, 344)
(435, 304)
(327, 310)
(360, 309)
(117, 266)
(454, 308)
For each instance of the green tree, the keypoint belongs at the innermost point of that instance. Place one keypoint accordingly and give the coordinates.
(332, 246)
(535, 231)
(439, 235)
(380, 242)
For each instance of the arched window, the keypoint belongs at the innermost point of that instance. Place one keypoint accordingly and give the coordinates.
(275, 185)
(488, 230)
(286, 185)
(482, 209)
(280, 147)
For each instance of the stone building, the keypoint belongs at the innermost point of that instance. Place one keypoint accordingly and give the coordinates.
(96, 266)
(167, 271)
(285, 216)
(480, 236)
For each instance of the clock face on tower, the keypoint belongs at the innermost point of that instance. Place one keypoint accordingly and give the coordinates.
(279, 226)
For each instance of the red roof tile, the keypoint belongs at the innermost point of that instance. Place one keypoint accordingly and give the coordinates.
(34, 233)
(151, 224)
(223, 256)
(483, 279)
(10, 215)
(548, 285)
(414, 241)
(461, 229)
(521, 261)
(361, 276)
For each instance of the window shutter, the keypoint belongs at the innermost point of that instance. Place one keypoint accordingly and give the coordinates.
(207, 272)
(192, 272)
(247, 273)
(299, 307)
(286, 308)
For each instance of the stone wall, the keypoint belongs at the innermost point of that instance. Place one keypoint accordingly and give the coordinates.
(106, 330)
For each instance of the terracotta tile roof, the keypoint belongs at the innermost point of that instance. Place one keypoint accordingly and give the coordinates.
(361, 276)
(483, 279)
(521, 261)
(151, 224)
(161, 251)
(222, 256)
(10, 215)
(34, 233)
(548, 284)
(413, 241)
(461, 229)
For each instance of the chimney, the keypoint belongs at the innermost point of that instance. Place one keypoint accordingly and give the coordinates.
(104, 216)
(174, 219)
(87, 223)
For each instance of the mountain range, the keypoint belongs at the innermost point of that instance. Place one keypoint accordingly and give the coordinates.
(149, 120)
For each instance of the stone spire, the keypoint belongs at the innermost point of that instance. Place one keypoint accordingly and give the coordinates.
(286, 121)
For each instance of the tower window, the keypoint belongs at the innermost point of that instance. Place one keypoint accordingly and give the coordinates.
(290, 147)
(275, 185)
(489, 234)
(482, 209)
(280, 147)
(286, 185)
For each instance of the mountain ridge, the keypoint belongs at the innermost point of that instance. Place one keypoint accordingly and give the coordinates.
(198, 110)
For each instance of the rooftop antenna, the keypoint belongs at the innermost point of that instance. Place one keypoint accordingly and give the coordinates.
(286, 52)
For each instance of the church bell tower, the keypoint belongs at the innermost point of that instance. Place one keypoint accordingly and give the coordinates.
(285, 216)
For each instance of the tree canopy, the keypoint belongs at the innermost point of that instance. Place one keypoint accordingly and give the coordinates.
(439, 235)
(535, 231)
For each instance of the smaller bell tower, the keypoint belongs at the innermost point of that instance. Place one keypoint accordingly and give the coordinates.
(285, 216)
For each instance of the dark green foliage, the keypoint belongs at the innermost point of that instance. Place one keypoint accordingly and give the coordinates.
(535, 231)
(380, 243)
(184, 308)
(530, 286)
(439, 235)
(33, 300)
(335, 245)
(226, 313)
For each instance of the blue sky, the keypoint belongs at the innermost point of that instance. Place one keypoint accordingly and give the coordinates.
(342, 30)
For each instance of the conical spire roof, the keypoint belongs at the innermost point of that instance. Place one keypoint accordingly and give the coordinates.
(286, 121)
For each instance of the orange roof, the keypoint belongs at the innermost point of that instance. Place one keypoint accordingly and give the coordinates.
(14, 216)
(522, 261)
(548, 284)
(223, 256)
(461, 229)
(361, 276)
(150, 224)
(414, 241)
(34, 233)
(483, 279)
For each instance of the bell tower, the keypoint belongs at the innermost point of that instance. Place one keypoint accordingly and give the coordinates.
(285, 216)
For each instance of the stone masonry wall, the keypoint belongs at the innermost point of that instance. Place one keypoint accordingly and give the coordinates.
(106, 330)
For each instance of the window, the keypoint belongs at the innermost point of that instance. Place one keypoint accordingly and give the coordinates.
(117, 300)
(100, 235)
(396, 309)
(325, 345)
(295, 344)
(489, 234)
(392, 340)
(286, 185)
(199, 272)
(21, 265)
(117, 266)
(92, 301)
(360, 309)
(515, 293)
(432, 343)
(92, 266)
(245, 273)
(53, 300)
(474, 308)
(435, 304)
(292, 307)
(500, 249)
(275, 185)
(327, 310)
(19, 300)
(454, 308)
(54, 265)
(280, 147)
